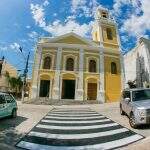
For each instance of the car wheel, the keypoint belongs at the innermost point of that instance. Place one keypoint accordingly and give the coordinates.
(121, 111)
(132, 121)
(14, 113)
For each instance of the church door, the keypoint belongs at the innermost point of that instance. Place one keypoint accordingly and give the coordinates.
(44, 88)
(68, 89)
(92, 91)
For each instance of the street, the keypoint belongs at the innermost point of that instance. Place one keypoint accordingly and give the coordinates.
(12, 130)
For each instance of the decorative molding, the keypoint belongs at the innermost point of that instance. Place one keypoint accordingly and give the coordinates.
(88, 58)
(65, 57)
(52, 60)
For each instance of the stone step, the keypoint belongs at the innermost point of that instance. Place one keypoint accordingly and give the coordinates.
(46, 101)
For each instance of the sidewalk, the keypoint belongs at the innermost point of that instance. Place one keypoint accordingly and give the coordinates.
(140, 145)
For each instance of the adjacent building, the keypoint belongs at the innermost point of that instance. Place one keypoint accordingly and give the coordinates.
(137, 64)
(6, 68)
(73, 67)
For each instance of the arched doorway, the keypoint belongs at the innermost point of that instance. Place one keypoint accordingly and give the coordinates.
(68, 86)
(91, 89)
(44, 90)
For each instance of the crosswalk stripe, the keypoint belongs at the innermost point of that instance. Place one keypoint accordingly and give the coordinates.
(70, 121)
(76, 127)
(77, 136)
(73, 113)
(72, 110)
(74, 117)
(106, 146)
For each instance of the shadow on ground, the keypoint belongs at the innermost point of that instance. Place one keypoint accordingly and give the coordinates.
(144, 127)
(8, 133)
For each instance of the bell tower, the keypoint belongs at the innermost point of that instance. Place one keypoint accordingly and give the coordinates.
(105, 29)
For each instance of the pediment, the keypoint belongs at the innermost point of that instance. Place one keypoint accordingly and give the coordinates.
(72, 38)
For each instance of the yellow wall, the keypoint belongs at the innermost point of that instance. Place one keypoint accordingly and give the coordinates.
(112, 81)
(69, 76)
(105, 39)
(71, 40)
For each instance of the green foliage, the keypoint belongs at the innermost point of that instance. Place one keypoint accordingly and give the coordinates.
(14, 83)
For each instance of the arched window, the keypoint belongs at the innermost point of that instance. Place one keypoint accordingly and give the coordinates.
(70, 64)
(104, 15)
(109, 34)
(47, 62)
(92, 66)
(113, 68)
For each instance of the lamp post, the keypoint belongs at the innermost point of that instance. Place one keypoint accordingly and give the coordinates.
(24, 74)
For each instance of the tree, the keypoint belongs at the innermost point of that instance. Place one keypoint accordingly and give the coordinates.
(14, 83)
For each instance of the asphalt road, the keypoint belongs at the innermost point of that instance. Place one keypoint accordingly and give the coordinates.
(12, 130)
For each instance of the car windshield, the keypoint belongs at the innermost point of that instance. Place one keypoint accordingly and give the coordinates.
(141, 95)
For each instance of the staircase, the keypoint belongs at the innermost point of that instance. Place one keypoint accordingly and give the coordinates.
(47, 101)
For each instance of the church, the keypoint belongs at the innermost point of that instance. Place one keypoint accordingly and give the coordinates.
(73, 67)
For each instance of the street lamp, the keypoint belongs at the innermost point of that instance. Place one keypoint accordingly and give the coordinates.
(25, 73)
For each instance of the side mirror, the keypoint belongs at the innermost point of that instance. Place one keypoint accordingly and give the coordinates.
(127, 100)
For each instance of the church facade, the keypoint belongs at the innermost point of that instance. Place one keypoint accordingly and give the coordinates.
(73, 67)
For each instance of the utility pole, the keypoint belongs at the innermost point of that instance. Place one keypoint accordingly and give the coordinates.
(25, 76)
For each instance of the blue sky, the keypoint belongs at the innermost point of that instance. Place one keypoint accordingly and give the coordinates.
(22, 22)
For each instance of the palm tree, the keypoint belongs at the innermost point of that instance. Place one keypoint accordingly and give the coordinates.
(14, 83)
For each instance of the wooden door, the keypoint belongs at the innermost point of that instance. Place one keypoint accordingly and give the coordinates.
(92, 91)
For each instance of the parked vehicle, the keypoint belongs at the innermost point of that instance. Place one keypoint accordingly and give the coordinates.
(135, 103)
(8, 105)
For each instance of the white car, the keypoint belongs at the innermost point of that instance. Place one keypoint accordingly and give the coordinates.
(135, 103)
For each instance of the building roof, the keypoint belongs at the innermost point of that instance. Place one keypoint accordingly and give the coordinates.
(141, 40)
(144, 40)
(68, 35)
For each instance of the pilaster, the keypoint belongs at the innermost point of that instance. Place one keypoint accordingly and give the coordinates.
(37, 63)
(56, 89)
(101, 90)
(79, 92)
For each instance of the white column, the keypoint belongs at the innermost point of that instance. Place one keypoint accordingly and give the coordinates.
(121, 61)
(79, 92)
(122, 72)
(35, 79)
(101, 91)
(56, 89)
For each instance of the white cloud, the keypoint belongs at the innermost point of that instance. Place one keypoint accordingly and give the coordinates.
(28, 27)
(137, 25)
(55, 14)
(14, 46)
(88, 8)
(38, 14)
(33, 35)
(3, 48)
(57, 28)
(77, 4)
(7, 47)
(118, 5)
(46, 3)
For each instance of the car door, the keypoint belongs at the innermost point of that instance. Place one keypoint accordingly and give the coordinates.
(3, 106)
(126, 104)
(9, 101)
